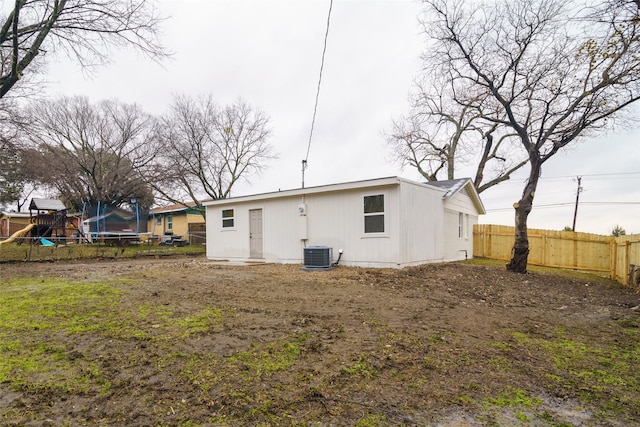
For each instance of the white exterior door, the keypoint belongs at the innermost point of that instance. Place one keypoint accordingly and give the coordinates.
(255, 233)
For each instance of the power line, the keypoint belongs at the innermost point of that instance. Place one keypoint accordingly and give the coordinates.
(610, 203)
(596, 174)
(616, 175)
(559, 205)
(315, 107)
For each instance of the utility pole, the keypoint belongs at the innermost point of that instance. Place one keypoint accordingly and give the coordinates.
(575, 212)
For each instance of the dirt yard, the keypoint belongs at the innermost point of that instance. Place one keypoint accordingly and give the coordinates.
(187, 342)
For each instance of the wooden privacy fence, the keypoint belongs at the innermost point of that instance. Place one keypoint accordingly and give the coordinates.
(619, 257)
(197, 233)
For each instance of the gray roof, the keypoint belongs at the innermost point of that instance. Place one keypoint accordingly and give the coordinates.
(47, 205)
(451, 186)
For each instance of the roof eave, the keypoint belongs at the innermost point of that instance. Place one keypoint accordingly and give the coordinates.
(353, 185)
(471, 190)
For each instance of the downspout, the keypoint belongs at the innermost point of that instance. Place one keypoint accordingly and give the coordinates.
(303, 222)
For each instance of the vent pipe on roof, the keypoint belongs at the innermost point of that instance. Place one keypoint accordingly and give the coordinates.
(304, 167)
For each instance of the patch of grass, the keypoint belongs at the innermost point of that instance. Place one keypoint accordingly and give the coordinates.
(202, 371)
(521, 338)
(514, 398)
(201, 322)
(500, 364)
(37, 252)
(171, 323)
(431, 363)
(358, 368)
(44, 367)
(45, 308)
(275, 356)
(631, 326)
(604, 375)
(434, 339)
(595, 368)
(465, 400)
(162, 313)
(372, 421)
(54, 305)
(506, 347)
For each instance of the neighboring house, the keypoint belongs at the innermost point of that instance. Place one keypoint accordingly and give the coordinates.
(10, 222)
(182, 219)
(385, 222)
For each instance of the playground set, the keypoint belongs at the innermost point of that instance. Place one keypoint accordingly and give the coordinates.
(49, 224)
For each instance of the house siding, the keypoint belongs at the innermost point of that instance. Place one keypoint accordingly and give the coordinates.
(421, 212)
(459, 247)
(334, 220)
(337, 220)
(420, 225)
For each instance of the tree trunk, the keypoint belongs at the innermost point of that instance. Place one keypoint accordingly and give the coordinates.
(520, 251)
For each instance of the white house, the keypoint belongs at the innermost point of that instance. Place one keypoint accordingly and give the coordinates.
(385, 222)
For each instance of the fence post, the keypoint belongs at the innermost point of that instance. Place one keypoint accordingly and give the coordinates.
(485, 240)
(613, 253)
(627, 246)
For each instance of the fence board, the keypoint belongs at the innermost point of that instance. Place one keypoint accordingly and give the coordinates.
(563, 249)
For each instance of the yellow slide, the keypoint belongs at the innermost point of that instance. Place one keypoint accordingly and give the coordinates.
(18, 233)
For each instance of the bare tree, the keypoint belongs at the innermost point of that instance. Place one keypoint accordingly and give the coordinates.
(552, 71)
(84, 29)
(11, 182)
(16, 184)
(91, 152)
(207, 149)
(442, 131)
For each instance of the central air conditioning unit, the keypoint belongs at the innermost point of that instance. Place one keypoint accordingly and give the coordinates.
(318, 257)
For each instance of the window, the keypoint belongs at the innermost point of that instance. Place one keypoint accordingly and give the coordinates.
(158, 220)
(374, 214)
(227, 218)
(169, 222)
(460, 225)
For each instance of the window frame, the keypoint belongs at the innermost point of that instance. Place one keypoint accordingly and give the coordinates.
(170, 222)
(231, 218)
(383, 214)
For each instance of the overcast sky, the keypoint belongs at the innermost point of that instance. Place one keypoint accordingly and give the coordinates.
(269, 52)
